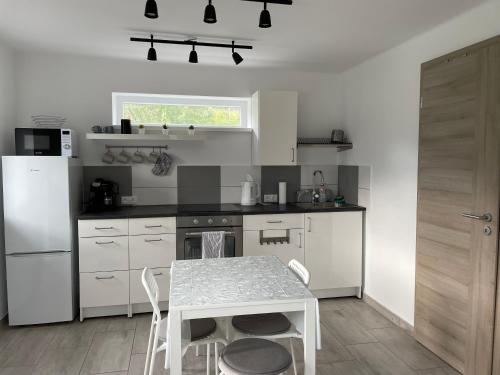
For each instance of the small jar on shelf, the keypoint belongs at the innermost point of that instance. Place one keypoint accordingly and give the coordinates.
(142, 129)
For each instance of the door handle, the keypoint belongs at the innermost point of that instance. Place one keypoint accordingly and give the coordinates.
(309, 224)
(300, 240)
(104, 243)
(158, 274)
(104, 277)
(158, 240)
(152, 226)
(104, 228)
(293, 154)
(486, 217)
(274, 221)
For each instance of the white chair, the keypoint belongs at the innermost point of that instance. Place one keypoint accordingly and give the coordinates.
(272, 326)
(203, 331)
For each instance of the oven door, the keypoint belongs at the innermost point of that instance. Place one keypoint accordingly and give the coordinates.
(39, 142)
(189, 242)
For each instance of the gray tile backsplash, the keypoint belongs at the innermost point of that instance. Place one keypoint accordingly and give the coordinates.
(198, 185)
(271, 176)
(122, 175)
(348, 183)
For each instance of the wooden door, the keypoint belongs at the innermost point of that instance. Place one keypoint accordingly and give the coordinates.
(456, 263)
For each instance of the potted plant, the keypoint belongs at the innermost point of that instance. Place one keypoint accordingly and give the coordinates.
(142, 129)
(191, 130)
(165, 129)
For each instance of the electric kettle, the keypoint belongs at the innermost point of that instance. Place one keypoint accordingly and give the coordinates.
(249, 192)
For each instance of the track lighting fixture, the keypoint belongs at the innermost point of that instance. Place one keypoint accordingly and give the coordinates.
(151, 10)
(210, 16)
(152, 51)
(193, 56)
(236, 56)
(265, 18)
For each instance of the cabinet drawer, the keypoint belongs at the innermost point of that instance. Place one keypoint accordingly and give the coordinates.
(285, 252)
(101, 228)
(104, 254)
(152, 251)
(104, 289)
(264, 222)
(137, 292)
(156, 225)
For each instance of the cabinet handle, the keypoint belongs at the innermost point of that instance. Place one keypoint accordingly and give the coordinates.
(300, 240)
(158, 274)
(293, 154)
(104, 243)
(104, 228)
(152, 226)
(158, 240)
(309, 224)
(274, 221)
(104, 277)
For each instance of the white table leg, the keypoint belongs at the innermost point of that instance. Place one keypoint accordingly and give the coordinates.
(175, 343)
(310, 338)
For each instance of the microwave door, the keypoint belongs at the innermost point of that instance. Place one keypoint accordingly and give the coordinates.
(39, 142)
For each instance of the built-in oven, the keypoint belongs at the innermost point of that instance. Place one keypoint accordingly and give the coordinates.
(190, 230)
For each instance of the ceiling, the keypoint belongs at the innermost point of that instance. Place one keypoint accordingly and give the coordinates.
(311, 35)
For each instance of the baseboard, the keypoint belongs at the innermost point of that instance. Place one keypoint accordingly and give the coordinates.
(397, 320)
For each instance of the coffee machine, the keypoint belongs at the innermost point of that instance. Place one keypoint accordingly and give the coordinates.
(103, 195)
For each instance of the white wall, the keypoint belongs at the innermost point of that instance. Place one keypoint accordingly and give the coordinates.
(80, 88)
(7, 114)
(381, 112)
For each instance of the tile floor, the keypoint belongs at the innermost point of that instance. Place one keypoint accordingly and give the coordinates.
(356, 341)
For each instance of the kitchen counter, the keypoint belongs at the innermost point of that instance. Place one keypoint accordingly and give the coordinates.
(130, 212)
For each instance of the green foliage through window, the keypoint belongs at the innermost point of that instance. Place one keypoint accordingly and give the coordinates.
(182, 115)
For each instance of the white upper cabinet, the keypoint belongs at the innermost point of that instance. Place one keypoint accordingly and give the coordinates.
(274, 122)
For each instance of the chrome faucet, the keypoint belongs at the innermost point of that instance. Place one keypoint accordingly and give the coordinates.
(316, 191)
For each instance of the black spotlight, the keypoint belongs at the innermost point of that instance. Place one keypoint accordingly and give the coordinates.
(237, 57)
(152, 51)
(265, 18)
(210, 16)
(151, 9)
(193, 56)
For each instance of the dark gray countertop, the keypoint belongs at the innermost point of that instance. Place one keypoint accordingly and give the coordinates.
(129, 212)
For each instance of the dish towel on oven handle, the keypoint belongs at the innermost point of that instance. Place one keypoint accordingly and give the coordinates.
(212, 245)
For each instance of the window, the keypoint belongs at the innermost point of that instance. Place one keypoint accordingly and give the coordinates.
(181, 111)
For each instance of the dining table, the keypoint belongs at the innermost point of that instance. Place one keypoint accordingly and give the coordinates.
(226, 287)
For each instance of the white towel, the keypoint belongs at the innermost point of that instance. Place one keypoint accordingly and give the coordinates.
(212, 245)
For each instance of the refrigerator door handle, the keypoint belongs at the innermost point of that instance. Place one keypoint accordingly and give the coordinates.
(55, 252)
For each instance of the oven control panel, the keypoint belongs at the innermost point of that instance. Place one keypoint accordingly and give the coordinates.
(209, 221)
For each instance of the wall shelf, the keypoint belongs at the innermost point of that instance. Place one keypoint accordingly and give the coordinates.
(339, 146)
(145, 137)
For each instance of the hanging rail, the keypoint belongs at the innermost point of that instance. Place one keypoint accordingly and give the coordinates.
(165, 147)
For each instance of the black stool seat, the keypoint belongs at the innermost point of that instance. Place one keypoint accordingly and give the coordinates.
(262, 324)
(201, 328)
(254, 356)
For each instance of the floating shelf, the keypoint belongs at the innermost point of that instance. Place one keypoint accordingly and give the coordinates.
(339, 146)
(145, 137)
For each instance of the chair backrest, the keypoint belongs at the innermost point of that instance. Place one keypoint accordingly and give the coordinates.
(151, 287)
(300, 270)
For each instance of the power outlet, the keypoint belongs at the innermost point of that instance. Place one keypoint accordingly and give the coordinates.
(270, 198)
(129, 200)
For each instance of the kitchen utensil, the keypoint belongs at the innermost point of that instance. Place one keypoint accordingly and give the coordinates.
(126, 126)
(337, 136)
(282, 192)
(123, 157)
(249, 192)
(108, 157)
(162, 165)
(138, 157)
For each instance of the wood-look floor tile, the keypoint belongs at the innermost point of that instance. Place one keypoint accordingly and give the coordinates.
(349, 368)
(75, 334)
(8, 334)
(407, 348)
(439, 371)
(118, 323)
(24, 370)
(27, 348)
(141, 334)
(330, 304)
(61, 361)
(109, 351)
(380, 359)
(366, 316)
(345, 328)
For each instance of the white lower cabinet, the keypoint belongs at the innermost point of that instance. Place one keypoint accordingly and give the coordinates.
(137, 292)
(334, 252)
(285, 252)
(100, 289)
(111, 265)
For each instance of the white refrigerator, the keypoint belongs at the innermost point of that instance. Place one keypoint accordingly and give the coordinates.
(41, 197)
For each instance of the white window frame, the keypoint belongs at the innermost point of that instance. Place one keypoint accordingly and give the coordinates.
(120, 98)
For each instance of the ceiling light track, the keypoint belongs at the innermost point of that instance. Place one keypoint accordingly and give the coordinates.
(193, 55)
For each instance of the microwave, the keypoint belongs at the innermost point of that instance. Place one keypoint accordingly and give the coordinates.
(45, 142)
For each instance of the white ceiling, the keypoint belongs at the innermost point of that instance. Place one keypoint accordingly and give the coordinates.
(313, 35)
